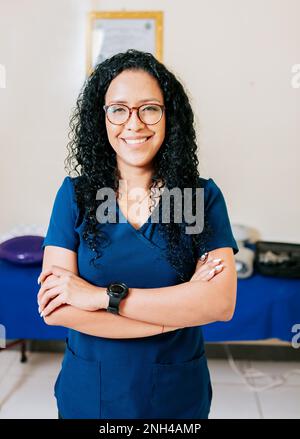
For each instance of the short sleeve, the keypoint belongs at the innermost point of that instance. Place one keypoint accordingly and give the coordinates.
(61, 229)
(217, 217)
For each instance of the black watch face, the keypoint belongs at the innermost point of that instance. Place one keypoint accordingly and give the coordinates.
(117, 289)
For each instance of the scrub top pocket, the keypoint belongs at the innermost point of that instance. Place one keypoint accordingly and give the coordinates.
(181, 390)
(125, 389)
(77, 387)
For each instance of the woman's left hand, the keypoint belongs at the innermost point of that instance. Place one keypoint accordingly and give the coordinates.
(66, 288)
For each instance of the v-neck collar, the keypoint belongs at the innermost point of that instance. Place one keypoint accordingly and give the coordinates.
(144, 225)
(121, 214)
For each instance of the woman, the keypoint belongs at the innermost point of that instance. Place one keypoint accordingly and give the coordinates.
(134, 292)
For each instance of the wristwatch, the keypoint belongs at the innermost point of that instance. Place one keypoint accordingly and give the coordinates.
(116, 292)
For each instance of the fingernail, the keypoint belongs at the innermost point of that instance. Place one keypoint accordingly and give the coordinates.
(217, 267)
(203, 256)
(39, 310)
(211, 271)
(38, 280)
(217, 260)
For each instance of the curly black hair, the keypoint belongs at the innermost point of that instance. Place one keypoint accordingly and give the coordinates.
(93, 159)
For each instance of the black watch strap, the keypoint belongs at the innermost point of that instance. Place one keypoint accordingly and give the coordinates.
(113, 305)
(116, 291)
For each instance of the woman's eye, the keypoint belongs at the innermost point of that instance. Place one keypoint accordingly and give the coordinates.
(150, 108)
(117, 109)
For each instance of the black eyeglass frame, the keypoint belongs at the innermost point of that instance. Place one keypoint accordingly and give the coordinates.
(163, 108)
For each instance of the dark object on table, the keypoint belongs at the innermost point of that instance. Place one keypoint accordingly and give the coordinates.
(24, 250)
(277, 259)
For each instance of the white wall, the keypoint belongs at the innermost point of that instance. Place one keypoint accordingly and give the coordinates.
(235, 59)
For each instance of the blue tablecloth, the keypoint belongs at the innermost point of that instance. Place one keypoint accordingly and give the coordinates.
(18, 304)
(267, 307)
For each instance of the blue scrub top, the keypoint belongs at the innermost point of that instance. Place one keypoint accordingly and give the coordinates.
(161, 376)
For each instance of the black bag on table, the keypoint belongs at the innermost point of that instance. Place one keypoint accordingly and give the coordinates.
(277, 259)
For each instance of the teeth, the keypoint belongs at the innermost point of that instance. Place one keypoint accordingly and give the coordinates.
(132, 142)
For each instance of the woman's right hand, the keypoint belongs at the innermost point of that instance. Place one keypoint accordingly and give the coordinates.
(209, 269)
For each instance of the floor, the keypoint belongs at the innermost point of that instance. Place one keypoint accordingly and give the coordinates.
(26, 389)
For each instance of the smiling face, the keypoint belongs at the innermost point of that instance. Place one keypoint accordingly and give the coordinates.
(135, 88)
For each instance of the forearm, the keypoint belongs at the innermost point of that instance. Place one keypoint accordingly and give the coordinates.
(187, 304)
(103, 324)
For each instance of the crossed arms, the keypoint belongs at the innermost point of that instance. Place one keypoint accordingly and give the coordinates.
(144, 312)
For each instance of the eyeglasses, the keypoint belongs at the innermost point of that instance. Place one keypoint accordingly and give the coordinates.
(118, 114)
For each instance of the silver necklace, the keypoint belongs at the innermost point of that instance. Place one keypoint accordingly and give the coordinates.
(120, 196)
(148, 192)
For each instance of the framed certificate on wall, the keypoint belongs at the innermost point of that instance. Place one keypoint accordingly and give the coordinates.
(109, 33)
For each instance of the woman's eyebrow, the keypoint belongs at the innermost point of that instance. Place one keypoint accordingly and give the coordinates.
(119, 101)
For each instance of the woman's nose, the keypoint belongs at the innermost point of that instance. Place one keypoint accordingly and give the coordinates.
(134, 121)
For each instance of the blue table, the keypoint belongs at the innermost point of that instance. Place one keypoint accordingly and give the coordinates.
(267, 307)
(18, 304)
